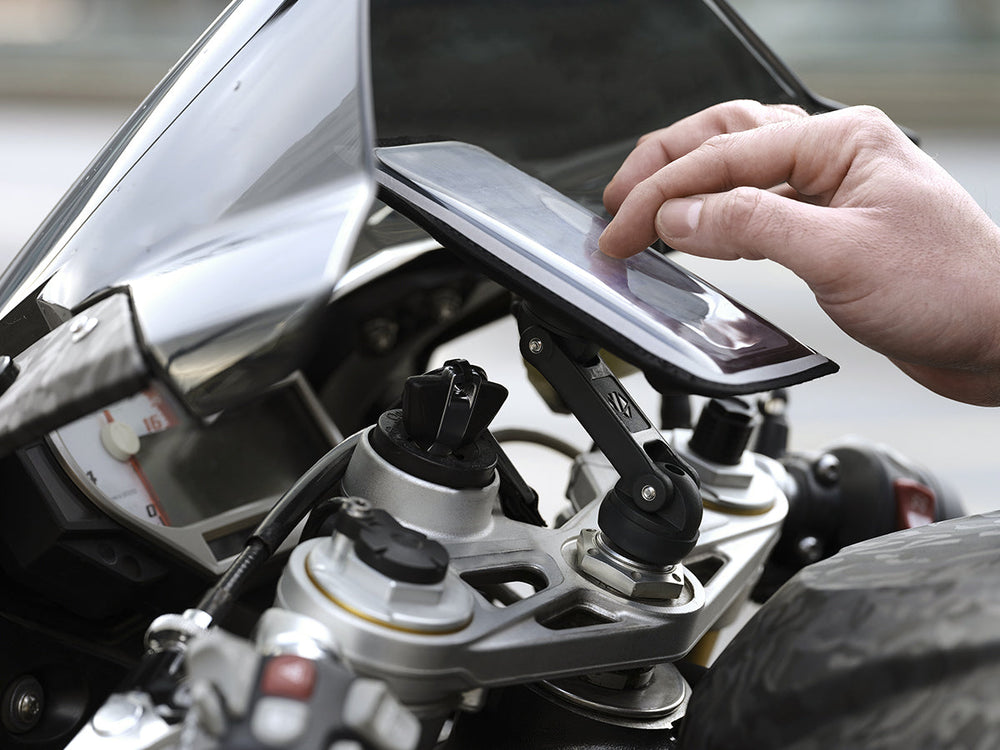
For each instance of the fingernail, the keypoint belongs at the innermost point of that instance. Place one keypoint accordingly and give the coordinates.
(602, 244)
(678, 218)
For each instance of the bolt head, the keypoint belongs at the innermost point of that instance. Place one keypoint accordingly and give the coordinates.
(22, 705)
(357, 507)
(810, 549)
(445, 304)
(380, 335)
(622, 576)
(649, 493)
(535, 346)
(826, 470)
(81, 328)
(29, 706)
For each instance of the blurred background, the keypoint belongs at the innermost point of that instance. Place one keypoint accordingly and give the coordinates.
(72, 70)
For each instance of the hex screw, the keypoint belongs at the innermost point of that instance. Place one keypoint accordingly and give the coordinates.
(445, 304)
(648, 493)
(380, 334)
(535, 346)
(29, 707)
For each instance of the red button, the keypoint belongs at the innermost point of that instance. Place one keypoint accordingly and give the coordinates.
(288, 676)
(915, 504)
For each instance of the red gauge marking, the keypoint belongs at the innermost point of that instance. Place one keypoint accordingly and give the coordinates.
(159, 403)
(153, 499)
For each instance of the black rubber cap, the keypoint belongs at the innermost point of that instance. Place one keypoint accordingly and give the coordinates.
(723, 430)
(472, 466)
(394, 550)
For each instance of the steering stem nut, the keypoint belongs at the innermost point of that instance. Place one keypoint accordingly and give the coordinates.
(627, 577)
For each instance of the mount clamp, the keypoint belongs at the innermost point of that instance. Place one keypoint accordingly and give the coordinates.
(654, 511)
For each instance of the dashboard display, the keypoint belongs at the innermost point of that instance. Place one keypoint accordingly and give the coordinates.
(194, 486)
(106, 446)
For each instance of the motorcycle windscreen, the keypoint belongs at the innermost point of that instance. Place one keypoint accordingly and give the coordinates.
(228, 204)
(646, 309)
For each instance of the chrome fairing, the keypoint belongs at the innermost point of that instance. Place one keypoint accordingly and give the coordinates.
(228, 204)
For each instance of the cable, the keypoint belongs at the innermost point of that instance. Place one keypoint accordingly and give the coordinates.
(522, 435)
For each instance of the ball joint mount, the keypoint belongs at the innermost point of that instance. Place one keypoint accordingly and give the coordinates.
(653, 513)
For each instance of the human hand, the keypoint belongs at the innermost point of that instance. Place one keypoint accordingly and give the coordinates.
(896, 252)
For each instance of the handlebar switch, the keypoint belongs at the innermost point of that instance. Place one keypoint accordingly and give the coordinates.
(249, 701)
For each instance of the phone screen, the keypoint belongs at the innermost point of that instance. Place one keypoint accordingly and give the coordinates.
(538, 242)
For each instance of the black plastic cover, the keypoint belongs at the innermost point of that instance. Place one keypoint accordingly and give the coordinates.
(472, 466)
(88, 362)
(892, 643)
(396, 551)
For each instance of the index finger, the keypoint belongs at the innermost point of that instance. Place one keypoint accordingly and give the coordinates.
(661, 147)
(812, 155)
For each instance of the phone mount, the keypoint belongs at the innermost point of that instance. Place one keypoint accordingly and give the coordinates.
(653, 513)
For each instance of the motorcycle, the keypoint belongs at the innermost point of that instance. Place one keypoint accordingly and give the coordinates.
(242, 509)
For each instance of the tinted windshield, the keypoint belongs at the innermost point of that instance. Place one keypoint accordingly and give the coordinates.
(228, 203)
(561, 89)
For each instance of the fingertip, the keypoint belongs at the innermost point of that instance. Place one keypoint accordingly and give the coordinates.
(613, 244)
(606, 244)
(612, 196)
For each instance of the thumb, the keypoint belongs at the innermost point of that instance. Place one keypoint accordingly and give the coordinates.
(751, 223)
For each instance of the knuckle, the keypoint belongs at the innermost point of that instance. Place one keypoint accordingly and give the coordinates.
(646, 197)
(870, 129)
(793, 109)
(739, 114)
(746, 114)
(651, 135)
(740, 107)
(717, 151)
(650, 190)
(868, 112)
(718, 144)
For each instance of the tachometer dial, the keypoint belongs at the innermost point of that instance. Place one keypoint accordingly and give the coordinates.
(107, 447)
